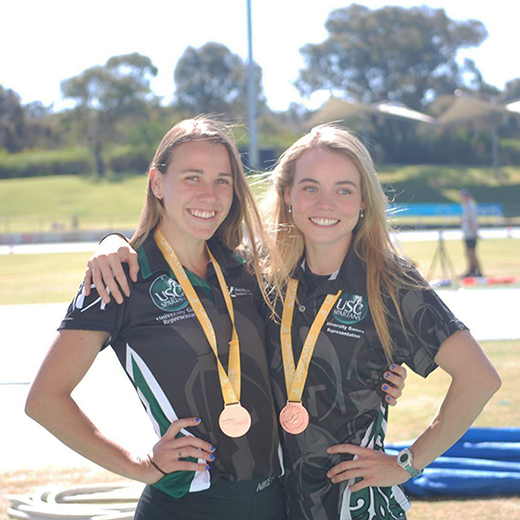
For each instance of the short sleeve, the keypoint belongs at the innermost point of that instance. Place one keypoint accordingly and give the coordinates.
(92, 313)
(428, 323)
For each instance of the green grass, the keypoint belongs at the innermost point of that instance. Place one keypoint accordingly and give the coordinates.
(499, 257)
(45, 278)
(417, 406)
(54, 278)
(41, 204)
(439, 184)
(422, 397)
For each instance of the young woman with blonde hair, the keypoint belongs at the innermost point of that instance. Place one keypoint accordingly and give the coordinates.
(351, 306)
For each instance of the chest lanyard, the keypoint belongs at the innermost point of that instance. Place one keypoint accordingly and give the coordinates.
(293, 417)
(234, 419)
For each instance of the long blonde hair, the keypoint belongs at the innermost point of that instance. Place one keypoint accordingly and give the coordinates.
(372, 243)
(243, 218)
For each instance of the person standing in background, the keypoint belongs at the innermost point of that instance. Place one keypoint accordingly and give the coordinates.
(469, 224)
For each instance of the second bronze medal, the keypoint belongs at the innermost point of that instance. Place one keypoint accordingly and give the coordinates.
(294, 418)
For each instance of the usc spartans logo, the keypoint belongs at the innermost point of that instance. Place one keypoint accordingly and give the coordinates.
(350, 308)
(167, 294)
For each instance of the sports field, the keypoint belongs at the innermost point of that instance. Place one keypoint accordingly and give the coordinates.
(32, 279)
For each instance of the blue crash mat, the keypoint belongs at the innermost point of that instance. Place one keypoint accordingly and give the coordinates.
(484, 462)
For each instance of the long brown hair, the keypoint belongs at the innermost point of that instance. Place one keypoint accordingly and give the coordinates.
(243, 224)
(385, 275)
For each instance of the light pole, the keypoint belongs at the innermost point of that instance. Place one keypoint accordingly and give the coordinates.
(251, 95)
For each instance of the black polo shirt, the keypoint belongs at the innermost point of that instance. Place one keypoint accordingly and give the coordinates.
(162, 347)
(343, 391)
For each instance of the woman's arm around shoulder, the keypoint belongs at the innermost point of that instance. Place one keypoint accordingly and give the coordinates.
(105, 271)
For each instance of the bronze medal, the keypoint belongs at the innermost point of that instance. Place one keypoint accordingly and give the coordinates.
(234, 420)
(294, 418)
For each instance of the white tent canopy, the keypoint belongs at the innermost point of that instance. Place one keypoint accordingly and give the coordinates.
(467, 108)
(337, 110)
(398, 109)
(513, 106)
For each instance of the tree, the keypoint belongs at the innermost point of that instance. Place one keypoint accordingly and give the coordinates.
(213, 80)
(107, 95)
(12, 121)
(42, 127)
(409, 55)
(511, 91)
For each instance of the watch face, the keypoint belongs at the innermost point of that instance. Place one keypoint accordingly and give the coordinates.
(403, 458)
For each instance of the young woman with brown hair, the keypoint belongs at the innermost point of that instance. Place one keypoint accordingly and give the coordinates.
(190, 338)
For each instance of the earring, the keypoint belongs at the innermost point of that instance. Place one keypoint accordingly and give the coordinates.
(289, 209)
(362, 213)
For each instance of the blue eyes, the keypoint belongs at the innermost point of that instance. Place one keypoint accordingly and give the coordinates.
(313, 189)
(196, 178)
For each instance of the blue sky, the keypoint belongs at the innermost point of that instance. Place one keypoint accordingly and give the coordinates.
(45, 42)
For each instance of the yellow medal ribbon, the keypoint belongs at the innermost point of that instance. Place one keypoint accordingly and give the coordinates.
(295, 378)
(230, 383)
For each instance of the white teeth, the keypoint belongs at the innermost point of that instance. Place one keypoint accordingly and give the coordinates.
(324, 221)
(202, 214)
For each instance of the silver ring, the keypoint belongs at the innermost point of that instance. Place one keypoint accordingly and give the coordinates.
(179, 453)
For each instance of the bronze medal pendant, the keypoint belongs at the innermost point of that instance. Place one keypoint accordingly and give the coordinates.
(294, 418)
(234, 420)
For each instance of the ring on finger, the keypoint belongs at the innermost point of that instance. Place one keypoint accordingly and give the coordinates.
(179, 453)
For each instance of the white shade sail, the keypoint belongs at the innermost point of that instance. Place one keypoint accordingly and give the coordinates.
(338, 110)
(467, 108)
(513, 107)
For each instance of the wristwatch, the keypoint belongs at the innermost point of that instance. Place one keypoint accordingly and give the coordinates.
(405, 460)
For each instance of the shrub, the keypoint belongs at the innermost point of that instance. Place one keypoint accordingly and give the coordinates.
(127, 159)
(35, 163)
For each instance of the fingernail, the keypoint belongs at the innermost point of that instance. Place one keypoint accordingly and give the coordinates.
(388, 398)
(212, 448)
(212, 457)
(387, 375)
(393, 367)
(385, 387)
(207, 467)
(197, 419)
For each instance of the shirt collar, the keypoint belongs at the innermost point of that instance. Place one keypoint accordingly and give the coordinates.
(350, 277)
(151, 260)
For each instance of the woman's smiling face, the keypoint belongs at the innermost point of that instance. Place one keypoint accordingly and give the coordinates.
(197, 190)
(326, 197)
